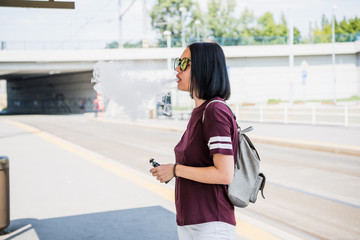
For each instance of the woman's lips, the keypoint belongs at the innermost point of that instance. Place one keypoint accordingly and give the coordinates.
(178, 79)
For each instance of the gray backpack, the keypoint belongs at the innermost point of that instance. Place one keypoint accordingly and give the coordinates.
(247, 180)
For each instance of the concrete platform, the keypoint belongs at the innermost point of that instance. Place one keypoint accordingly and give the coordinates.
(61, 191)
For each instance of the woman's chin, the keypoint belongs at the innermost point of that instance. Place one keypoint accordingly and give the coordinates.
(179, 87)
(183, 89)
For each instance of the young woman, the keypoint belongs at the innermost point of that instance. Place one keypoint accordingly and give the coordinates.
(205, 155)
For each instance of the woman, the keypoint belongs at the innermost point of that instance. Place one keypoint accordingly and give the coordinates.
(205, 154)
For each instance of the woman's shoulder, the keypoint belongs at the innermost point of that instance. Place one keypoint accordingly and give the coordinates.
(217, 104)
(217, 108)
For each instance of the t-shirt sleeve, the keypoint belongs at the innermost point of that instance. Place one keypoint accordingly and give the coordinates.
(217, 128)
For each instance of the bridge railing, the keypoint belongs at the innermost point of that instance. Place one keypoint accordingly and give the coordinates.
(175, 42)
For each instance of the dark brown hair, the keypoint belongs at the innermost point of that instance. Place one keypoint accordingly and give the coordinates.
(209, 76)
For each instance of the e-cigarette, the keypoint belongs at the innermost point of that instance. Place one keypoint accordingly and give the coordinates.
(155, 164)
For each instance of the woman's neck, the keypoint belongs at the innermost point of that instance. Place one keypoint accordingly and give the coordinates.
(198, 101)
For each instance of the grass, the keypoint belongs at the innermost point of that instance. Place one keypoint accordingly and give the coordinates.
(349, 99)
(181, 108)
(271, 101)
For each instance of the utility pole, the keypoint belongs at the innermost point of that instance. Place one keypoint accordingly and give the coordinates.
(168, 40)
(197, 23)
(183, 11)
(333, 52)
(291, 56)
(120, 25)
(145, 41)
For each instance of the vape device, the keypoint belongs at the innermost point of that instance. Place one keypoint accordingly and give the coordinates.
(155, 164)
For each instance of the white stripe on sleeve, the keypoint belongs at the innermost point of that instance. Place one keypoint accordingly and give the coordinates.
(220, 145)
(219, 139)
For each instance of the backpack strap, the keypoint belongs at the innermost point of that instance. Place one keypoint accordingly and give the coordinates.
(238, 127)
(247, 130)
(262, 184)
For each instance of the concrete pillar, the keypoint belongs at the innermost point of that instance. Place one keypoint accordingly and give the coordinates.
(358, 72)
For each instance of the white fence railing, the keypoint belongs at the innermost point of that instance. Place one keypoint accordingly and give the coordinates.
(337, 115)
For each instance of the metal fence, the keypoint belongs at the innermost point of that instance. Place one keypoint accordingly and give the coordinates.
(337, 115)
(175, 42)
(265, 40)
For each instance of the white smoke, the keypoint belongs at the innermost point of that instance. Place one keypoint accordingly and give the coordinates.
(131, 90)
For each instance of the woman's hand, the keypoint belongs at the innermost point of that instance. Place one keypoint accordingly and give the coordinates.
(221, 173)
(164, 172)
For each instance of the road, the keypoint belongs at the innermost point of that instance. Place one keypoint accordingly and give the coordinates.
(313, 195)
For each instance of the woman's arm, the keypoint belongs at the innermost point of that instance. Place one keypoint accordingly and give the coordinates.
(221, 173)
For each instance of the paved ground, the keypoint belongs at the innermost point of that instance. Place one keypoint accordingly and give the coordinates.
(62, 191)
(65, 186)
(319, 137)
(318, 133)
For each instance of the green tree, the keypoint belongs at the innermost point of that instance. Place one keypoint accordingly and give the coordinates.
(113, 44)
(269, 32)
(265, 25)
(220, 19)
(354, 25)
(247, 23)
(324, 34)
(347, 30)
(166, 16)
(220, 22)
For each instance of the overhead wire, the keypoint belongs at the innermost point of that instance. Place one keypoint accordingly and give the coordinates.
(88, 21)
(127, 9)
(115, 19)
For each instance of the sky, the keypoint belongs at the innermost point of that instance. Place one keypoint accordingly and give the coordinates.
(95, 20)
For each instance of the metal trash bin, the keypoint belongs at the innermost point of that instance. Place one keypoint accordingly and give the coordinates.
(4, 194)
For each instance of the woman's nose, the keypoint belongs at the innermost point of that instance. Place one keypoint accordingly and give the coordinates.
(178, 69)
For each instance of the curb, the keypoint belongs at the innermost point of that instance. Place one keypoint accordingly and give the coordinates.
(309, 145)
(286, 142)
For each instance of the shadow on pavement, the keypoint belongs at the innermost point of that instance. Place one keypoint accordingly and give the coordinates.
(139, 223)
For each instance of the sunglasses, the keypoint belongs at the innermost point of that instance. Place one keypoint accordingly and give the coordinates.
(183, 63)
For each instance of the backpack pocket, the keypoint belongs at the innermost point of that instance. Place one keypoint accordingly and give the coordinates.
(259, 185)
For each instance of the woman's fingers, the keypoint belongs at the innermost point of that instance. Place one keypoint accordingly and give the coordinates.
(163, 173)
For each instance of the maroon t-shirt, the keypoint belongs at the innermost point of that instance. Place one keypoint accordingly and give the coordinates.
(199, 202)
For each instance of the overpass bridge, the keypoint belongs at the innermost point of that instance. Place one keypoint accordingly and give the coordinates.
(55, 81)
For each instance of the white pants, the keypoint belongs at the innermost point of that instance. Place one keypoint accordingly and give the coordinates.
(207, 231)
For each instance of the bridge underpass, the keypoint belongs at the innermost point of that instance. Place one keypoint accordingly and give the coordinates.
(56, 81)
(53, 93)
